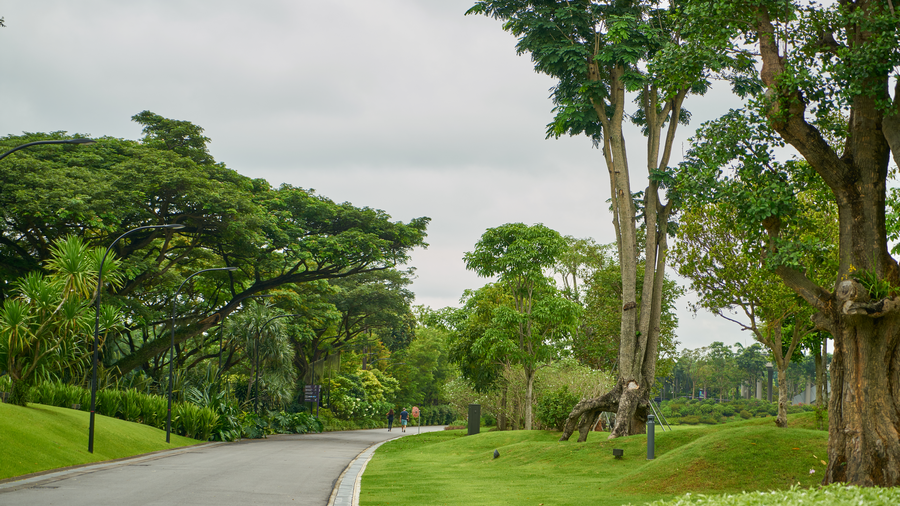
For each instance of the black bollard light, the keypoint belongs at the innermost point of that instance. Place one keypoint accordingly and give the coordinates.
(651, 439)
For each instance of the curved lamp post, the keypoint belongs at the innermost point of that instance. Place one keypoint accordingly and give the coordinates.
(174, 226)
(172, 348)
(35, 143)
(258, 334)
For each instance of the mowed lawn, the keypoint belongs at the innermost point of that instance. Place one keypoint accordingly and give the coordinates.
(39, 438)
(449, 468)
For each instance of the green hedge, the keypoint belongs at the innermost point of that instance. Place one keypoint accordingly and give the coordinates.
(130, 405)
(221, 422)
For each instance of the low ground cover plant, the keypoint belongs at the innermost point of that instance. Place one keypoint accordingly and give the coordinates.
(831, 495)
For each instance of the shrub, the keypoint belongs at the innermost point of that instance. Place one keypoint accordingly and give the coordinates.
(186, 419)
(708, 420)
(108, 402)
(253, 426)
(295, 423)
(228, 426)
(689, 410)
(746, 415)
(554, 407)
(442, 414)
(132, 405)
(829, 494)
(154, 409)
(690, 420)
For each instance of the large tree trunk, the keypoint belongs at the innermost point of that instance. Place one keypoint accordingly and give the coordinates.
(863, 445)
(864, 414)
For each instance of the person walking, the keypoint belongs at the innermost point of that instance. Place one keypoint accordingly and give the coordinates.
(404, 419)
(390, 415)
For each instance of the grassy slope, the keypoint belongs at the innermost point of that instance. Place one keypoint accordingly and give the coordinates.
(38, 438)
(533, 468)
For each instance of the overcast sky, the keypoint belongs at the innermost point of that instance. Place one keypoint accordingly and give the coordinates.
(403, 105)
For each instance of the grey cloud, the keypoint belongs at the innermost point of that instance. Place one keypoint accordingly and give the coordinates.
(404, 105)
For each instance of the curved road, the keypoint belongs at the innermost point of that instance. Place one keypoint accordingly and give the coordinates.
(284, 469)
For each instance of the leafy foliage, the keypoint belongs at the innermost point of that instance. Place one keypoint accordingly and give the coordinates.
(553, 408)
(46, 329)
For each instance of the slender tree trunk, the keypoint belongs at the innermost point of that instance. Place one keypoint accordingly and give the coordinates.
(502, 420)
(781, 419)
(639, 328)
(529, 386)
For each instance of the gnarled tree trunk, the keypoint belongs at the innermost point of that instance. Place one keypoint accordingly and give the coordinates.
(639, 331)
(864, 414)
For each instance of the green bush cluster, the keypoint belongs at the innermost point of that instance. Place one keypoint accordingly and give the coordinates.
(694, 411)
(553, 408)
(438, 415)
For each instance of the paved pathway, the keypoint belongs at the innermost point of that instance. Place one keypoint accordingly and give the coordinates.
(308, 469)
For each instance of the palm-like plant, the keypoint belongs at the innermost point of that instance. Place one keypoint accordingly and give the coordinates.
(46, 327)
(277, 375)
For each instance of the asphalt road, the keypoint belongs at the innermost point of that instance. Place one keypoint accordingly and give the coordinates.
(283, 469)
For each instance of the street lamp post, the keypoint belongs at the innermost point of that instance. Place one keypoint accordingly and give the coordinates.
(172, 348)
(174, 226)
(256, 346)
(35, 143)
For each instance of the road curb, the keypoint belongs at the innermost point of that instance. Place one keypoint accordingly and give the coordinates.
(346, 488)
(346, 491)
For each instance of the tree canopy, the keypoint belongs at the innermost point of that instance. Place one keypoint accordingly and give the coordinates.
(278, 238)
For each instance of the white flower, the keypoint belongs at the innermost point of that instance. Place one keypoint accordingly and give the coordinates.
(812, 471)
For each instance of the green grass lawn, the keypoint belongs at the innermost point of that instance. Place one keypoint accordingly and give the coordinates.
(38, 438)
(448, 468)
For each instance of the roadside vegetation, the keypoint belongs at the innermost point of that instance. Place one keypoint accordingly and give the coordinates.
(39, 438)
(450, 468)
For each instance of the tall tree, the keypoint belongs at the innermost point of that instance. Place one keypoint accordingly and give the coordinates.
(528, 333)
(817, 60)
(728, 274)
(277, 237)
(598, 51)
(752, 361)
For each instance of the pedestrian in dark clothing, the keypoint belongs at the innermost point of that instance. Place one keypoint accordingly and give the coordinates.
(404, 419)
(390, 415)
